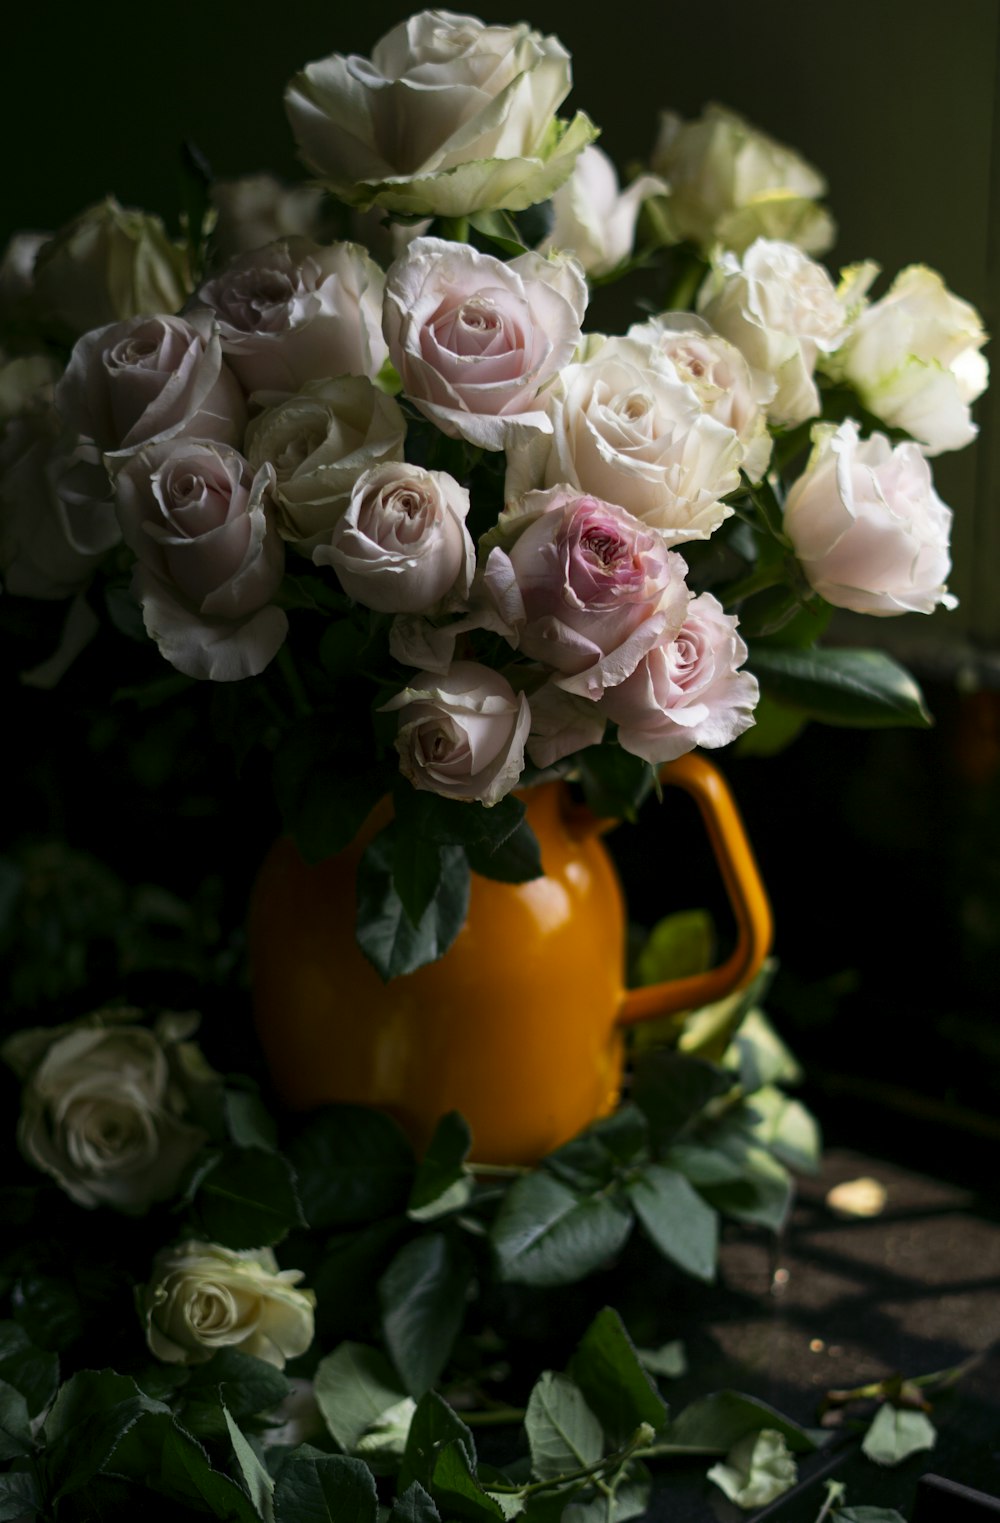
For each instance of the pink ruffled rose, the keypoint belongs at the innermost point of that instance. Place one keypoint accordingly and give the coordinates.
(209, 558)
(868, 527)
(688, 691)
(402, 545)
(149, 380)
(584, 588)
(462, 733)
(476, 341)
(295, 311)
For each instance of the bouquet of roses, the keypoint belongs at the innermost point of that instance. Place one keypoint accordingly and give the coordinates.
(417, 525)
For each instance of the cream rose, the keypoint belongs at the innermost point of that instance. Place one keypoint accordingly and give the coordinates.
(109, 264)
(294, 312)
(402, 544)
(149, 380)
(687, 691)
(718, 375)
(628, 432)
(913, 358)
(106, 1106)
(868, 527)
(448, 116)
(209, 561)
(318, 443)
(730, 183)
(476, 341)
(258, 209)
(782, 311)
(584, 588)
(57, 517)
(461, 734)
(594, 218)
(202, 1298)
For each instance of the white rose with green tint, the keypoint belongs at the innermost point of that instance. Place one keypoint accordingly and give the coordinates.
(449, 116)
(913, 358)
(202, 1298)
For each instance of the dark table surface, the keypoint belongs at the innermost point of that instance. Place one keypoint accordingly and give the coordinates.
(840, 1301)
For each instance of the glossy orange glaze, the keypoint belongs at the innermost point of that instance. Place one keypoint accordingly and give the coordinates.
(517, 1026)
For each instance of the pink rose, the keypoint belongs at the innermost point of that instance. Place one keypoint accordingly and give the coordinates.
(209, 559)
(584, 588)
(476, 341)
(402, 544)
(149, 380)
(294, 311)
(686, 692)
(868, 527)
(461, 734)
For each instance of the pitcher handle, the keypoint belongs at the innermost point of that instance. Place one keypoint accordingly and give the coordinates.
(745, 891)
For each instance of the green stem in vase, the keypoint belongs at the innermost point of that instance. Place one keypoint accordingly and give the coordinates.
(294, 683)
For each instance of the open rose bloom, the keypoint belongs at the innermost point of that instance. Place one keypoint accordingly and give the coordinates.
(400, 491)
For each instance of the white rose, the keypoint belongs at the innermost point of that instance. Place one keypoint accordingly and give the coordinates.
(57, 517)
(402, 544)
(718, 375)
(318, 443)
(594, 219)
(686, 692)
(295, 312)
(731, 183)
(148, 380)
(209, 561)
(17, 278)
(476, 341)
(913, 358)
(448, 117)
(782, 311)
(868, 527)
(202, 1298)
(628, 432)
(105, 1107)
(461, 734)
(258, 209)
(109, 264)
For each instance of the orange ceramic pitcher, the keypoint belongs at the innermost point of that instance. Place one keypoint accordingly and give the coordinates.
(519, 1025)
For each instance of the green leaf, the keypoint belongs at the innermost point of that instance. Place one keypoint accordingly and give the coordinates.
(677, 946)
(323, 818)
(416, 873)
(346, 1280)
(456, 1489)
(668, 1361)
(603, 1151)
(15, 1424)
(547, 1234)
(759, 1056)
(454, 822)
(703, 1166)
(435, 1424)
(775, 726)
(615, 782)
(706, 1032)
(248, 1199)
(89, 1418)
(895, 1434)
(414, 1506)
(248, 1121)
(500, 229)
(715, 1424)
(246, 1385)
(312, 1487)
(423, 1306)
(518, 859)
(18, 1496)
(386, 935)
(763, 1193)
(845, 687)
(563, 1433)
(607, 1368)
(28, 1369)
(868, 1515)
(671, 1089)
(680, 1224)
(786, 1129)
(442, 1181)
(757, 1470)
(353, 1165)
(317, 596)
(156, 1446)
(258, 1483)
(354, 1386)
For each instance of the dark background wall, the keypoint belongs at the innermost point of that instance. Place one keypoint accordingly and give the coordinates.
(881, 850)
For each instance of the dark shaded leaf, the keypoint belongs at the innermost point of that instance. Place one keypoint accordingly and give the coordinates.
(671, 1089)
(423, 1296)
(547, 1234)
(324, 791)
(442, 1166)
(248, 1199)
(564, 1435)
(845, 687)
(615, 782)
(518, 859)
(434, 1425)
(354, 1386)
(456, 1489)
(414, 1506)
(386, 935)
(28, 1369)
(353, 1165)
(617, 1387)
(715, 1423)
(678, 1221)
(324, 1488)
